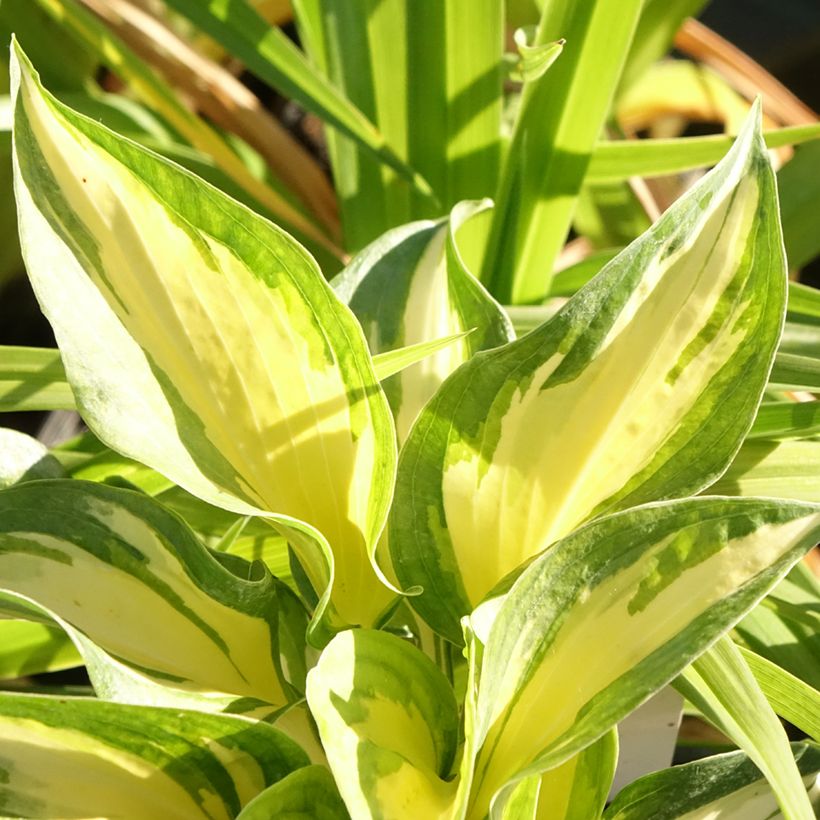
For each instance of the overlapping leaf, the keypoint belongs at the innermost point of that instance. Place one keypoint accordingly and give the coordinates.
(389, 724)
(167, 609)
(82, 757)
(584, 415)
(724, 689)
(727, 785)
(412, 286)
(202, 341)
(609, 615)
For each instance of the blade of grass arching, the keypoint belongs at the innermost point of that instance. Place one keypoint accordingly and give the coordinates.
(429, 75)
(621, 159)
(154, 92)
(561, 117)
(269, 54)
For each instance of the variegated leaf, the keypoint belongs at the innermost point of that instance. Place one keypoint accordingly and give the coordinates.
(389, 724)
(575, 790)
(411, 286)
(727, 786)
(597, 624)
(641, 388)
(71, 757)
(130, 577)
(578, 788)
(203, 341)
(306, 794)
(723, 688)
(23, 458)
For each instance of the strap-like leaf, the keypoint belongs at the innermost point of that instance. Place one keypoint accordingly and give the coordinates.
(33, 378)
(789, 696)
(780, 469)
(621, 159)
(786, 419)
(389, 724)
(228, 365)
(642, 387)
(82, 757)
(724, 689)
(167, 609)
(412, 286)
(269, 54)
(610, 614)
(727, 785)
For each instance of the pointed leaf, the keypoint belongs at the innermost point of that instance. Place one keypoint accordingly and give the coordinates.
(630, 599)
(157, 348)
(727, 786)
(167, 609)
(723, 688)
(661, 360)
(412, 286)
(66, 757)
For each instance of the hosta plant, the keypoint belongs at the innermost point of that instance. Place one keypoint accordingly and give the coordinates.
(354, 549)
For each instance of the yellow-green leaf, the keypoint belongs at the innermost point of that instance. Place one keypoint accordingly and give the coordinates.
(640, 388)
(203, 341)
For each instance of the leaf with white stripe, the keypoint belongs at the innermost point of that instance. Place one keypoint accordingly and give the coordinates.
(412, 286)
(640, 388)
(727, 786)
(65, 757)
(389, 724)
(630, 599)
(166, 608)
(202, 340)
(721, 685)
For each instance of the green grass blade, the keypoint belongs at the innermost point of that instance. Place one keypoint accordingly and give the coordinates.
(269, 54)
(560, 119)
(616, 160)
(786, 419)
(790, 697)
(33, 378)
(430, 76)
(799, 185)
(779, 469)
(796, 372)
